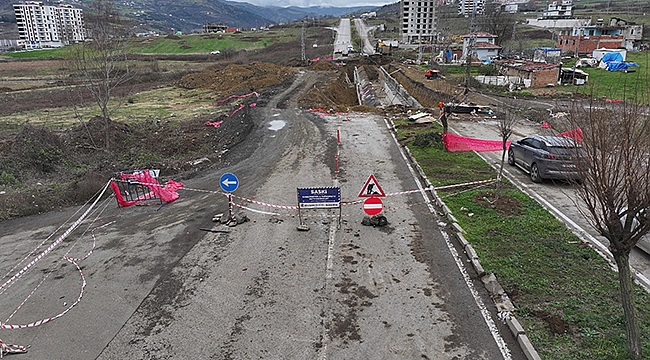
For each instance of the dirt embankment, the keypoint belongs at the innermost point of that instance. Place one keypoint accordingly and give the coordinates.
(336, 93)
(42, 169)
(237, 78)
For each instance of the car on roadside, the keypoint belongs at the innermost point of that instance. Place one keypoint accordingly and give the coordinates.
(546, 157)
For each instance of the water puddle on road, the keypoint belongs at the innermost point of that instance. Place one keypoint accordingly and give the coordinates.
(489, 122)
(276, 125)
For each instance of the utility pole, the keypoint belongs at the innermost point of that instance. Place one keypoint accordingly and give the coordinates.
(302, 44)
(470, 48)
(419, 49)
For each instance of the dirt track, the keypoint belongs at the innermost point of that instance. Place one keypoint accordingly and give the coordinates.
(158, 287)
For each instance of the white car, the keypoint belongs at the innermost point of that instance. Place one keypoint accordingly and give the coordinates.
(215, 52)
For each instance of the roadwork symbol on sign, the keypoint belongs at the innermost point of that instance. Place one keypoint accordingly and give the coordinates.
(373, 206)
(372, 188)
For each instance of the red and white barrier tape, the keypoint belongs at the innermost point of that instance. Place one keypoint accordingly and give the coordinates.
(463, 184)
(289, 207)
(11, 349)
(254, 210)
(55, 243)
(14, 349)
(346, 203)
(46, 320)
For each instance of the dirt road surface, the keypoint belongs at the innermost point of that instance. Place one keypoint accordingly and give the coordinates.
(160, 288)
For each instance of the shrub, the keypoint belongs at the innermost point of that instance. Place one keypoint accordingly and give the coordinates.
(8, 179)
(428, 139)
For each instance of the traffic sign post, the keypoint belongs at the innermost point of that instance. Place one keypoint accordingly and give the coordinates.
(373, 206)
(229, 183)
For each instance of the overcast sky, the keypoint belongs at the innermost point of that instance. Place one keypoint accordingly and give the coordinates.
(325, 3)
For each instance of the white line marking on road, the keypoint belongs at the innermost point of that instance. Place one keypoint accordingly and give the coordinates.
(501, 344)
(328, 276)
(330, 251)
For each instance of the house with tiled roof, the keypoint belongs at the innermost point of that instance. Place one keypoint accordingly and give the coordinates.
(484, 47)
(532, 74)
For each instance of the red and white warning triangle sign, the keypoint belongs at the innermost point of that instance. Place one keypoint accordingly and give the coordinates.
(372, 188)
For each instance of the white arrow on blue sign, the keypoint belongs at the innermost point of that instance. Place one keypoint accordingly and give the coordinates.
(229, 182)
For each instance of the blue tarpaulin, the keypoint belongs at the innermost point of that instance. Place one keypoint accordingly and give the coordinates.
(612, 57)
(616, 66)
(614, 62)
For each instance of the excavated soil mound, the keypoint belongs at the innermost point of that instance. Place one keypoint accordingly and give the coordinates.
(238, 78)
(336, 95)
(93, 134)
(322, 65)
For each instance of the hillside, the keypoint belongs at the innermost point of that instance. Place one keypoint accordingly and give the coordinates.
(167, 16)
(285, 14)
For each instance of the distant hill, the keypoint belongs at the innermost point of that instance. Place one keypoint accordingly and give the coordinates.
(285, 14)
(167, 16)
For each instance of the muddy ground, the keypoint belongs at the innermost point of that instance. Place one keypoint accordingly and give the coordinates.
(42, 169)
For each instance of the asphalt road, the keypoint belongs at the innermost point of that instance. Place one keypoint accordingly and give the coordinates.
(159, 287)
(343, 39)
(556, 196)
(363, 30)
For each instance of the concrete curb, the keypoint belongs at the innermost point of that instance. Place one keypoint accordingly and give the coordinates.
(503, 304)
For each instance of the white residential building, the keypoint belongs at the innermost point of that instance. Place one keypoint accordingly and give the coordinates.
(42, 26)
(418, 20)
(561, 10)
(482, 46)
(466, 7)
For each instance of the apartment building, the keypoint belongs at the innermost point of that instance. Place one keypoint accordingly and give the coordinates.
(466, 7)
(44, 26)
(418, 21)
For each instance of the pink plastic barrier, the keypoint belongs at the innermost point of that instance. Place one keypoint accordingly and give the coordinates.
(457, 143)
(575, 134)
(166, 194)
(214, 123)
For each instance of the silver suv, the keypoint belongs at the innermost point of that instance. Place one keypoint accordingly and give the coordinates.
(546, 157)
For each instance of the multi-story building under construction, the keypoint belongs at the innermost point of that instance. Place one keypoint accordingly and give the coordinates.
(418, 20)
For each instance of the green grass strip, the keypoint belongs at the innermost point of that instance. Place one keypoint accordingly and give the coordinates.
(566, 295)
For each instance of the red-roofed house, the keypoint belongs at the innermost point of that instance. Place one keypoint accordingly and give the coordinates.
(532, 74)
(484, 45)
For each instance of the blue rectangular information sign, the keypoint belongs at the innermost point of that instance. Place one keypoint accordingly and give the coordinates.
(324, 197)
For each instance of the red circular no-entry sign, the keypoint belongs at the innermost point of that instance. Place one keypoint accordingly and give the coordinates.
(373, 206)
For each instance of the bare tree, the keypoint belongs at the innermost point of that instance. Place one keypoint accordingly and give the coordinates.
(615, 188)
(505, 125)
(497, 21)
(101, 64)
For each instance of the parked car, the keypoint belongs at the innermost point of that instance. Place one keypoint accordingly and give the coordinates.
(546, 157)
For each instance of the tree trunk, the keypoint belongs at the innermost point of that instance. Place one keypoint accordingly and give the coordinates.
(498, 187)
(445, 125)
(627, 299)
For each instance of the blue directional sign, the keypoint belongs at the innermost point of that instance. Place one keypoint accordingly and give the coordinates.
(229, 182)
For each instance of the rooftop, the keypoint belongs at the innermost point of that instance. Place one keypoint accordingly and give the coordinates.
(527, 65)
